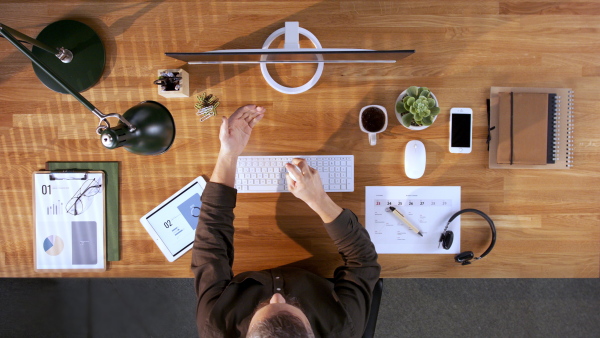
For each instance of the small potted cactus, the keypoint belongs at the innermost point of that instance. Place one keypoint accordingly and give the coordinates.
(417, 108)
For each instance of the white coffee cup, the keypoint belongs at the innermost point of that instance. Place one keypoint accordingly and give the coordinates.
(371, 126)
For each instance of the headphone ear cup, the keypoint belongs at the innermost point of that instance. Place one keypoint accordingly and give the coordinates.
(464, 257)
(446, 239)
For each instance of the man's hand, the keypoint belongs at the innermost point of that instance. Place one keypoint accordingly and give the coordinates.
(235, 131)
(309, 188)
(234, 135)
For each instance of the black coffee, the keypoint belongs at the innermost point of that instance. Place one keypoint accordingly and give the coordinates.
(373, 119)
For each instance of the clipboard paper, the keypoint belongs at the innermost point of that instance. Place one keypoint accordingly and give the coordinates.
(69, 221)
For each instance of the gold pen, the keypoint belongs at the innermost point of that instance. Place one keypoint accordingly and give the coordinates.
(403, 219)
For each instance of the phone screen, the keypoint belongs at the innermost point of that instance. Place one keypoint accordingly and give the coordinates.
(461, 131)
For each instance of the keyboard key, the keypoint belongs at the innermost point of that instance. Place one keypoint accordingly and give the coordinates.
(265, 188)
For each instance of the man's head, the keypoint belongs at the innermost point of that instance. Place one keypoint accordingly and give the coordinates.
(279, 318)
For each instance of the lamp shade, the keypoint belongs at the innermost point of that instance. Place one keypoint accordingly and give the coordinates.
(154, 130)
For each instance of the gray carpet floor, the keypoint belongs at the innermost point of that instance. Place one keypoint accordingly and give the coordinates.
(409, 308)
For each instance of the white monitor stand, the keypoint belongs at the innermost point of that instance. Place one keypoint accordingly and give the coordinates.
(292, 32)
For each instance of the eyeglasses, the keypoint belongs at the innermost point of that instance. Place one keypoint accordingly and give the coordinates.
(82, 199)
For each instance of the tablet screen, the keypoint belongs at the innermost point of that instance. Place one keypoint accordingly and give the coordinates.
(175, 221)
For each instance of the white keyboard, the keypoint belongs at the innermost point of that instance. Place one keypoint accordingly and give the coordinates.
(267, 173)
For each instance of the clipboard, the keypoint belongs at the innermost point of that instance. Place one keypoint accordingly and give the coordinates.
(69, 221)
(111, 176)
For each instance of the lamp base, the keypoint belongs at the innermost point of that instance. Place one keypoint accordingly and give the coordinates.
(87, 66)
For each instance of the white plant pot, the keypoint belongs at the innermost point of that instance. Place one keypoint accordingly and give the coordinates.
(399, 117)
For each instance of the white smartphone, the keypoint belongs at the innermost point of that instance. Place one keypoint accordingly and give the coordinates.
(461, 130)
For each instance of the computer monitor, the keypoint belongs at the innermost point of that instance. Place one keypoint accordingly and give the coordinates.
(319, 56)
(302, 55)
(292, 53)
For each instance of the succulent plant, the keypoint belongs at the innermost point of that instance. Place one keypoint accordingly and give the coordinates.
(417, 108)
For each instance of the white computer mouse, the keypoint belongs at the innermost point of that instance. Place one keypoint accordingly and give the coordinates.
(292, 175)
(415, 159)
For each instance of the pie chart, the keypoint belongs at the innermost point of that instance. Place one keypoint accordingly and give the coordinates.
(53, 245)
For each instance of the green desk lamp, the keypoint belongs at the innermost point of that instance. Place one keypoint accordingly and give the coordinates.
(147, 128)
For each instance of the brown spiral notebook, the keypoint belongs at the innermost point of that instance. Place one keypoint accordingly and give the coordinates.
(531, 128)
(523, 128)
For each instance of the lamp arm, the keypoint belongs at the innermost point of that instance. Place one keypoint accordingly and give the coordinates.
(103, 124)
(21, 36)
(61, 53)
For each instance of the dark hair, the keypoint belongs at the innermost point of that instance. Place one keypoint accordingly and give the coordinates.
(281, 325)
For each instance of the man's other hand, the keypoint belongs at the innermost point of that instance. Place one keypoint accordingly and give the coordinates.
(235, 130)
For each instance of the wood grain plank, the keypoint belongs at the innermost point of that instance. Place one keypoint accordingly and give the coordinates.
(550, 8)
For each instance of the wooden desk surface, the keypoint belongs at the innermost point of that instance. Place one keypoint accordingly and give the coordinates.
(548, 220)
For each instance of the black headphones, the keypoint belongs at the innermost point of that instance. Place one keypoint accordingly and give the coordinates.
(448, 236)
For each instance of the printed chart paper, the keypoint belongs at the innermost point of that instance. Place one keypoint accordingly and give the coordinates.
(427, 208)
(69, 221)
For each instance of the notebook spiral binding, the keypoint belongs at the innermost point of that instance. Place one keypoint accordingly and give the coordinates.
(556, 138)
(556, 123)
(569, 142)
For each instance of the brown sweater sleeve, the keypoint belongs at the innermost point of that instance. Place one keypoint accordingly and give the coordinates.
(212, 252)
(354, 281)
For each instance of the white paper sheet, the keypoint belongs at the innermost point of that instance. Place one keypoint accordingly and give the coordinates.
(69, 221)
(427, 208)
